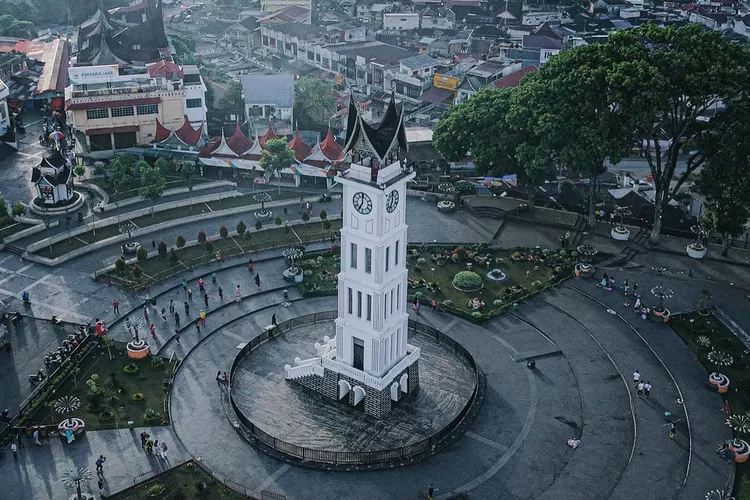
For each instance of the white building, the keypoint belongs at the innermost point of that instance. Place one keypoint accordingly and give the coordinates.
(269, 98)
(535, 18)
(4, 110)
(401, 21)
(369, 362)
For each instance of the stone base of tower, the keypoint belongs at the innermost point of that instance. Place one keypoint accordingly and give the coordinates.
(346, 390)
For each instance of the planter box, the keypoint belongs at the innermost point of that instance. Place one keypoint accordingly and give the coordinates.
(696, 251)
(620, 235)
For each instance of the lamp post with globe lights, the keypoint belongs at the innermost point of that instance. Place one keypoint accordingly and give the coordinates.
(660, 313)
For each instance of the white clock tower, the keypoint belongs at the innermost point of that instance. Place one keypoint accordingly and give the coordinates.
(369, 360)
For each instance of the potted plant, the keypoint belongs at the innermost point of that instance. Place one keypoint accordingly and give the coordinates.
(719, 359)
(660, 313)
(620, 232)
(740, 424)
(292, 255)
(698, 249)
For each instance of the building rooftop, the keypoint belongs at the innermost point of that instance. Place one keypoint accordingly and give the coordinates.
(513, 79)
(541, 42)
(418, 62)
(269, 89)
(299, 30)
(489, 68)
(379, 52)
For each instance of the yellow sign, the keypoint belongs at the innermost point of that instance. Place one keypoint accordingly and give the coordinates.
(445, 82)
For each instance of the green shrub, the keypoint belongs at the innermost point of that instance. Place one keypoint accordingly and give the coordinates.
(277, 221)
(305, 217)
(201, 237)
(180, 242)
(141, 254)
(18, 209)
(137, 271)
(247, 236)
(241, 228)
(151, 415)
(131, 368)
(162, 249)
(156, 490)
(258, 225)
(224, 232)
(121, 266)
(467, 280)
(157, 362)
(173, 256)
(209, 247)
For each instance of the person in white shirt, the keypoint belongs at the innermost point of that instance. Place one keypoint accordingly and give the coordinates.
(647, 389)
(636, 378)
(640, 389)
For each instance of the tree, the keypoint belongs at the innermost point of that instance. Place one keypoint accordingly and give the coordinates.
(313, 102)
(74, 478)
(224, 232)
(120, 176)
(305, 216)
(725, 178)
(188, 170)
(162, 249)
(231, 102)
(10, 26)
(201, 237)
(152, 183)
(562, 103)
(276, 157)
(18, 210)
(480, 126)
(141, 254)
(241, 228)
(323, 217)
(180, 242)
(80, 171)
(209, 246)
(662, 81)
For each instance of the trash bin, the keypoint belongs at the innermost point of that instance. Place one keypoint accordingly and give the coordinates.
(80, 216)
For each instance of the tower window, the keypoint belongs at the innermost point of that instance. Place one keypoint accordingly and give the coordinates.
(395, 258)
(368, 260)
(351, 300)
(369, 307)
(359, 304)
(353, 255)
(385, 306)
(391, 300)
(398, 297)
(387, 258)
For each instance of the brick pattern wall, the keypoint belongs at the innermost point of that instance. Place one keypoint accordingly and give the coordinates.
(376, 403)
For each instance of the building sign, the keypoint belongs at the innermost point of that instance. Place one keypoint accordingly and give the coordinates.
(92, 74)
(445, 82)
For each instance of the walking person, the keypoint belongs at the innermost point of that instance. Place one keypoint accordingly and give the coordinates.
(152, 329)
(8, 348)
(197, 325)
(640, 389)
(430, 492)
(626, 286)
(273, 320)
(202, 317)
(100, 464)
(637, 305)
(218, 378)
(200, 285)
(116, 306)
(164, 449)
(177, 318)
(164, 314)
(646, 389)
(636, 378)
(221, 294)
(145, 312)
(14, 449)
(672, 430)
(635, 289)
(417, 306)
(190, 294)
(177, 336)
(157, 449)
(205, 299)
(257, 280)
(237, 294)
(144, 438)
(171, 306)
(184, 286)
(187, 309)
(36, 437)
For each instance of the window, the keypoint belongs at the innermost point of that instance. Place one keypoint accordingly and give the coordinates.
(395, 257)
(194, 103)
(147, 109)
(398, 297)
(391, 300)
(369, 307)
(95, 114)
(123, 111)
(310, 55)
(349, 290)
(353, 256)
(368, 261)
(317, 57)
(387, 258)
(385, 306)
(359, 304)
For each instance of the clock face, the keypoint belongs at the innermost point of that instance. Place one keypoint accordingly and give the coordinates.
(362, 203)
(392, 201)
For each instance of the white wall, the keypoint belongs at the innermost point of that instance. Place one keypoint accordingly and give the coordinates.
(401, 21)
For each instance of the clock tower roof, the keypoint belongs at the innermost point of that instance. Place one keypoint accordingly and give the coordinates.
(381, 138)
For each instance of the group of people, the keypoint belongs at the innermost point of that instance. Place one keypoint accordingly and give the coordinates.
(609, 284)
(643, 388)
(153, 446)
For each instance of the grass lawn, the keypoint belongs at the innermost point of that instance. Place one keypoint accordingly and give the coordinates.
(131, 190)
(116, 405)
(12, 228)
(186, 482)
(81, 240)
(694, 325)
(158, 269)
(432, 269)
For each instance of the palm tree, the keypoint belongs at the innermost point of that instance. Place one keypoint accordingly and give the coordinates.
(720, 359)
(66, 405)
(74, 477)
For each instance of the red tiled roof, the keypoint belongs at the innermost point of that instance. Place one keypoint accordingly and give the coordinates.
(513, 79)
(110, 104)
(270, 134)
(208, 148)
(330, 148)
(301, 150)
(188, 134)
(238, 142)
(162, 132)
(111, 130)
(164, 69)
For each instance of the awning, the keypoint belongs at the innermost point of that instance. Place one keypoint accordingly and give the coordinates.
(73, 106)
(436, 95)
(309, 171)
(232, 163)
(112, 130)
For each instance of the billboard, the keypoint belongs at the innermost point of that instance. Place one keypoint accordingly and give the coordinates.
(445, 82)
(92, 74)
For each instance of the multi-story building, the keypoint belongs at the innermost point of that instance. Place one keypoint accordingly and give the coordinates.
(401, 21)
(111, 111)
(4, 111)
(269, 98)
(274, 5)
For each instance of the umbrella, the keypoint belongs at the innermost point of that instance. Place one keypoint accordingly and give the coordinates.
(56, 135)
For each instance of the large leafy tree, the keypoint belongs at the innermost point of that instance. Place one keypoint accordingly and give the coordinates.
(231, 102)
(566, 107)
(480, 126)
(10, 26)
(189, 169)
(276, 157)
(313, 102)
(725, 178)
(662, 82)
(152, 182)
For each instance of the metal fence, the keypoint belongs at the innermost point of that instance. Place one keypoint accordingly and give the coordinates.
(344, 457)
